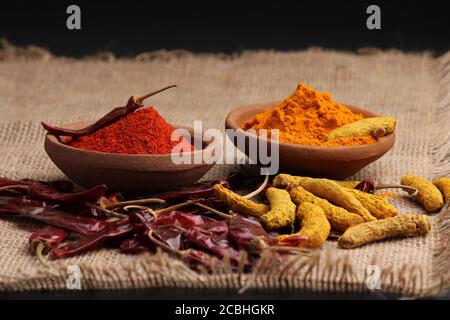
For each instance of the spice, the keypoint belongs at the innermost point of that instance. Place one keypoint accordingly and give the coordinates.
(41, 212)
(138, 243)
(282, 209)
(45, 239)
(389, 195)
(376, 126)
(429, 195)
(238, 203)
(339, 218)
(443, 184)
(370, 186)
(314, 226)
(133, 104)
(243, 230)
(376, 205)
(140, 132)
(44, 192)
(113, 230)
(213, 237)
(326, 189)
(48, 192)
(347, 183)
(197, 190)
(401, 225)
(307, 117)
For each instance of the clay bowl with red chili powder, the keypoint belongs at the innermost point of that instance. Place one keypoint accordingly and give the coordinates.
(129, 173)
(317, 161)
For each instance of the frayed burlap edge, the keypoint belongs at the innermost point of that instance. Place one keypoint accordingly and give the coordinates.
(10, 52)
(315, 270)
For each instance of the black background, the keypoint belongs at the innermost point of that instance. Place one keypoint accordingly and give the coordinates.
(130, 27)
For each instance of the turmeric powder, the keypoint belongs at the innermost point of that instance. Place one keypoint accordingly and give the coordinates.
(306, 117)
(314, 226)
(401, 225)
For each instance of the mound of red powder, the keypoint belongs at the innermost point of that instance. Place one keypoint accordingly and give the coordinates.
(141, 132)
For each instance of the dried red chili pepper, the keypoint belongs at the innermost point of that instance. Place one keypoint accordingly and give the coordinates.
(197, 190)
(181, 219)
(45, 239)
(170, 234)
(235, 180)
(195, 258)
(212, 236)
(367, 185)
(113, 230)
(43, 192)
(40, 211)
(138, 243)
(292, 241)
(245, 229)
(133, 104)
(49, 191)
(5, 182)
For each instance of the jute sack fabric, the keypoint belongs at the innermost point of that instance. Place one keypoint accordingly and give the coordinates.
(414, 88)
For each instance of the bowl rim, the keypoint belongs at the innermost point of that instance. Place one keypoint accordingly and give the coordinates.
(385, 140)
(51, 138)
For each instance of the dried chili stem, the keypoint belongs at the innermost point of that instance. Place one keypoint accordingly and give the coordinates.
(259, 190)
(215, 211)
(396, 186)
(40, 247)
(172, 226)
(140, 100)
(163, 245)
(109, 213)
(135, 202)
(176, 206)
(14, 187)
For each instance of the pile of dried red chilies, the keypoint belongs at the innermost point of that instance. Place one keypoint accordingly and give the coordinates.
(188, 222)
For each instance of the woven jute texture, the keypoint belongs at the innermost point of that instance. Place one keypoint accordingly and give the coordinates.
(412, 87)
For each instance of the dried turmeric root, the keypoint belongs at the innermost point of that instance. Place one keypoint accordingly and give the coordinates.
(339, 218)
(429, 195)
(404, 224)
(378, 207)
(238, 203)
(314, 226)
(282, 209)
(443, 184)
(347, 184)
(327, 189)
(376, 126)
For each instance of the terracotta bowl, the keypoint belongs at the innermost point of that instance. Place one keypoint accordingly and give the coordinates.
(330, 162)
(128, 173)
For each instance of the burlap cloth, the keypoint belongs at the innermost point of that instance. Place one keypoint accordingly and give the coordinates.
(35, 86)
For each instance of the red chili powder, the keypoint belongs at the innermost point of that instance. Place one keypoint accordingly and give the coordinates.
(141, 132)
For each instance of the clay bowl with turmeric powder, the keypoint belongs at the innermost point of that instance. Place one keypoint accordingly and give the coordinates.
(337, 162)
(129, 173)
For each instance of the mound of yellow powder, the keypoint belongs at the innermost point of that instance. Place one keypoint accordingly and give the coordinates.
(306, 117)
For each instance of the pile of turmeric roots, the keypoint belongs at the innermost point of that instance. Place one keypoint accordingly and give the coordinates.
(322, 205)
